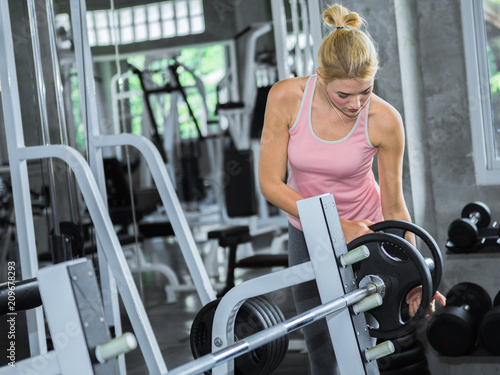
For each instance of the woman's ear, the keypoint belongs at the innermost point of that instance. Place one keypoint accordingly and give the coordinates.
(319, 76)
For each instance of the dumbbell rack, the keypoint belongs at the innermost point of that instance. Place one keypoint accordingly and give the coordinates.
(475, 223)
(473, 233)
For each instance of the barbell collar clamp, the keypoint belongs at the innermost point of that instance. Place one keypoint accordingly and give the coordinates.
(381, 350)
(354, 256)
(375, 281)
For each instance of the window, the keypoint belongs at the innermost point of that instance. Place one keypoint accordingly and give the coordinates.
(141, 23)
(209, 63)
(481, 30)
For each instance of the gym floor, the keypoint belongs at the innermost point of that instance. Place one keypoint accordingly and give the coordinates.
(171, 322)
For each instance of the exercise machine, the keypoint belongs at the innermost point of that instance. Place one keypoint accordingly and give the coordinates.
(75, 317)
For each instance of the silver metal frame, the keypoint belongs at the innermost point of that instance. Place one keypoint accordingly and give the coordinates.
(280, 32)
(310, 17)
(71, 354)
(63, 319)
(19, 176)
(148, 151)
(326, 243)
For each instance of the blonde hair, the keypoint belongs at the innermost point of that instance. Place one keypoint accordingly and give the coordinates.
(346, 52)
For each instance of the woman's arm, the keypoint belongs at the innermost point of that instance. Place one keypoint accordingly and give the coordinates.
(389, 137)
(283, 97)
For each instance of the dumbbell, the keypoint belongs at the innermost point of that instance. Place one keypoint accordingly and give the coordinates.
(489, 330)
(453, 330)
(464, 232)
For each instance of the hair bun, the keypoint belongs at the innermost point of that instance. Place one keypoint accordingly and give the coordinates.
(339, 16)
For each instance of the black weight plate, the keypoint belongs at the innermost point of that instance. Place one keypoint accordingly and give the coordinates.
(252, 320)
(489, 330)
(462, 233)
(271, 321)
(200, 337)
(452, 331)
(473, 295)
(280, 318)
(399, 276)
(285, 340)
(277, 317)
(402, 343)
(418, 368)
(249, 320)
(402, 359)
(400, 228)
(263, 358)
(482, 209)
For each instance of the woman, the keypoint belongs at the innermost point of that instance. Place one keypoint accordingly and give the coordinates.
(324, 131)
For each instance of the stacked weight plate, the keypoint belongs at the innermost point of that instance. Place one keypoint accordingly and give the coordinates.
(408, 359)
(255, 315)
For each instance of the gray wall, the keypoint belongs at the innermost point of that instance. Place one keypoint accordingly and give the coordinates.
(448, 146)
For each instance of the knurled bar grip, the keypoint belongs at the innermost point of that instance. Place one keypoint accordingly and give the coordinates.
(265, 336)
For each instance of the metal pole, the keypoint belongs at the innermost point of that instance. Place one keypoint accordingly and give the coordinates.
(280, 32)
(75, 217)
(308, 59)
(261, 338)
(42, 103)
(296, 33)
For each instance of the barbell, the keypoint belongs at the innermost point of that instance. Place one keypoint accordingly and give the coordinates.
(394, 267)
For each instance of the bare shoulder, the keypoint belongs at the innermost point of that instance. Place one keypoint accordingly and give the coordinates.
(285, 97)
(289, 86)
(384, 122)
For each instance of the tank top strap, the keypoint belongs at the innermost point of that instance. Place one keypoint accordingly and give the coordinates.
(303, 114)
(362, 125)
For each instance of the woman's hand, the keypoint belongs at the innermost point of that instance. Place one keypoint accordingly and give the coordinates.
(414, 298)
(355, 228)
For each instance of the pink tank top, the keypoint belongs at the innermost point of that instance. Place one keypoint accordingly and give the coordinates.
(342, 168)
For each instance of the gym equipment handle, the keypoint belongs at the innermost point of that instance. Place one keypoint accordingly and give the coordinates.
(258, 339)
(27, 295)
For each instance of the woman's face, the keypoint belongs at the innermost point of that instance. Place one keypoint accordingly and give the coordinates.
(349, 95)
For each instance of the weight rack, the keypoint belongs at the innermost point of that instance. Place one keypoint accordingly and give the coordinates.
(326, 244)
